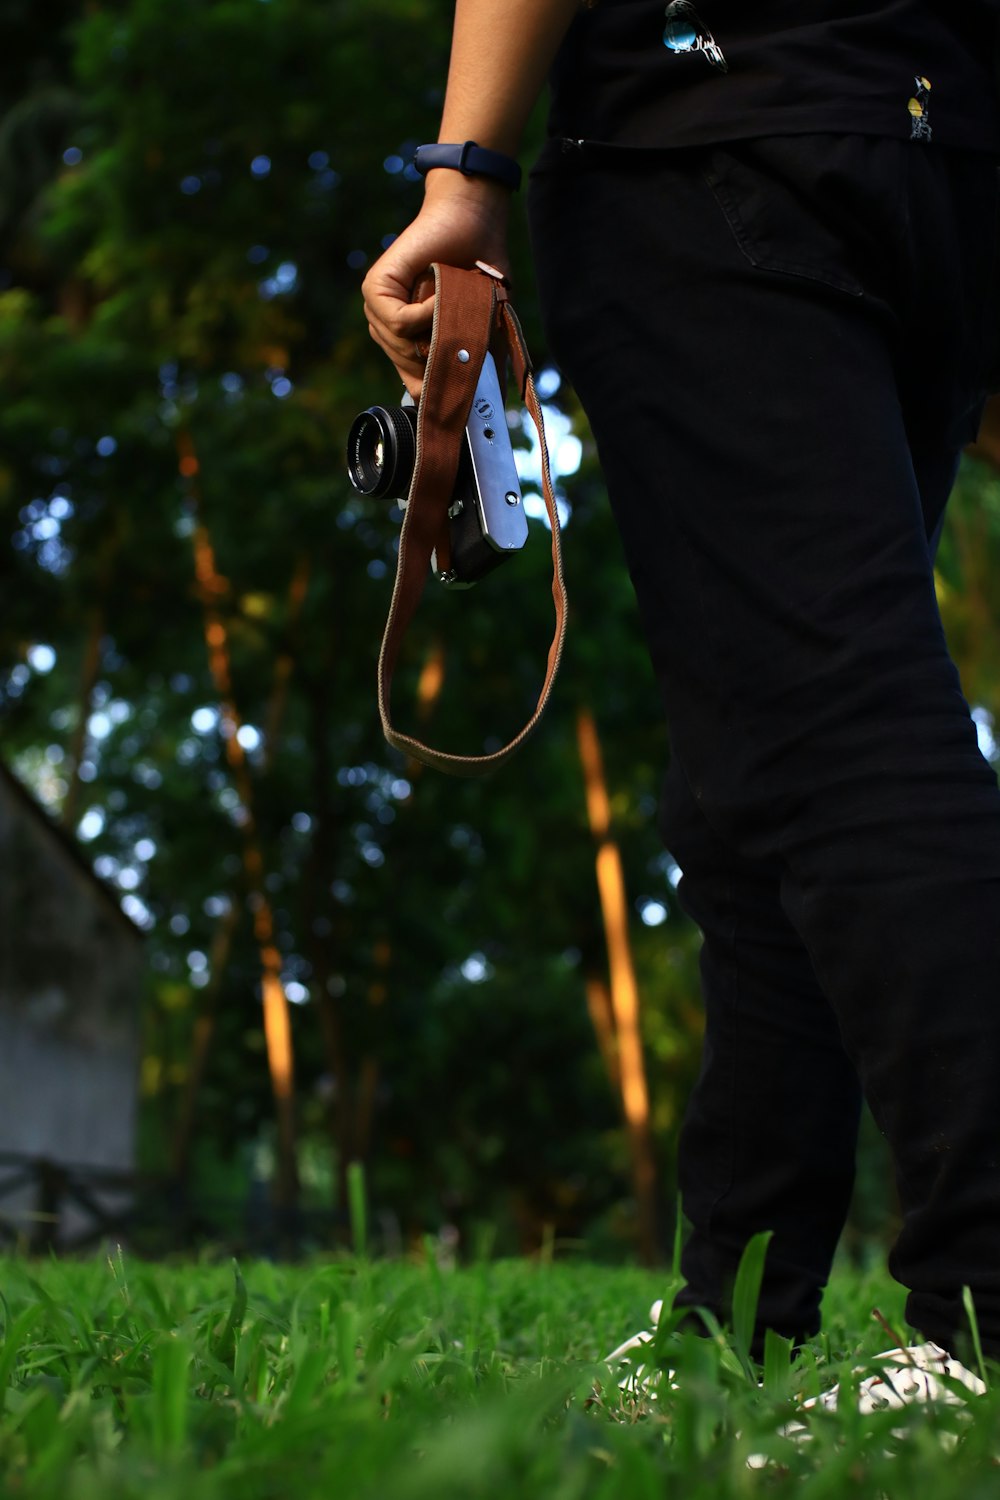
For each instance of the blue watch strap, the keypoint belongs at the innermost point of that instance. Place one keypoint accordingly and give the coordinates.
(470, 159)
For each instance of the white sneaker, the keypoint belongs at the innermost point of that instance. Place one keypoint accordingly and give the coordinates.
(636, 1378)
(920, 1373)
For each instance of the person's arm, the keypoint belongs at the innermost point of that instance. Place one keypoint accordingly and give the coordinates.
(501, 52)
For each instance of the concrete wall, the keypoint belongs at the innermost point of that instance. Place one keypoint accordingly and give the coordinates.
(70, 981)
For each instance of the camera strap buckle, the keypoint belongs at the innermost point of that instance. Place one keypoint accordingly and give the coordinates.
(472, 316)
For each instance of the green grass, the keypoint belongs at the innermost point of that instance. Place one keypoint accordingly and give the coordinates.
(347, 1378)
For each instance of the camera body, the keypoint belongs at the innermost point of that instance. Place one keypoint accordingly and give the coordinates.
(486, 516)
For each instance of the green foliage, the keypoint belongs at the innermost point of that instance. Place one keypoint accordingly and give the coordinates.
(224, 1340)
(360, 1378)
(746, 1292)
(183, 293)
(189, 194)
(977, 1344)
(966, 570)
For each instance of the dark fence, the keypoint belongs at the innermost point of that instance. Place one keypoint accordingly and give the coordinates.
(69, 1208)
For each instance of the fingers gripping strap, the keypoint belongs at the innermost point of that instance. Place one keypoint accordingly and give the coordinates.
(468, 317)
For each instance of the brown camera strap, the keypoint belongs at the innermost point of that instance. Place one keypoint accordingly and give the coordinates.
(471, 315)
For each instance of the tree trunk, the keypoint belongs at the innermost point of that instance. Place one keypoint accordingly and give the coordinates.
(623, 988)
(603, 1021)
(277, 1021)
(203, 1033)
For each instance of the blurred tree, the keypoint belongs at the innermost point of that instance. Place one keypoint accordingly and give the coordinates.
(189, 195)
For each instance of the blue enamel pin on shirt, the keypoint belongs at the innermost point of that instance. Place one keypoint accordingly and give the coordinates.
(685, 31)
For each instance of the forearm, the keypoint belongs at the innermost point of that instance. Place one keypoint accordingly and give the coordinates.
(501, 52)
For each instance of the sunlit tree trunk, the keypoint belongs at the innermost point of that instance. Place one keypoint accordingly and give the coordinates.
(277, 1020)
(203, 1032)
(429, 686)
(624, 990)
(603, 1021)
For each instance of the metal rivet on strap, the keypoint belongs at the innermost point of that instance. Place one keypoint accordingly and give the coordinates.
(463, 356)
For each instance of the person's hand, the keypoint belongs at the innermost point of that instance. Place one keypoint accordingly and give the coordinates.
(463, 219)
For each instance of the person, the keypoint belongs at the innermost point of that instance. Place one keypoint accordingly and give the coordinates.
(765, 246)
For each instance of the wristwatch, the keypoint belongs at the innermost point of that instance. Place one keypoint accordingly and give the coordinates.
(471, 160)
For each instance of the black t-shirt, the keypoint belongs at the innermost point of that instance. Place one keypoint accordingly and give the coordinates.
(639, 73)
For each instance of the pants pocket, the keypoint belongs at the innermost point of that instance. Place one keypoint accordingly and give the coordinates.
(774, 218)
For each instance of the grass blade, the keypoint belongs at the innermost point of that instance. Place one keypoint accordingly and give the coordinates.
(970, 1312)
(777, 1362)
(223, 1346)
(170, 1396)
(746, 1294)
(11, 1348)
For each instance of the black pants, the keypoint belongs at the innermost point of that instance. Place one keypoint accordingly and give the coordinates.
(781, 346)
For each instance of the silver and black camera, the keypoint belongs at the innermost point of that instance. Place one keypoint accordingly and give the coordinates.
(486, 516)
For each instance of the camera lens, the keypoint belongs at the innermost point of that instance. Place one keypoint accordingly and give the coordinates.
(382, 449)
